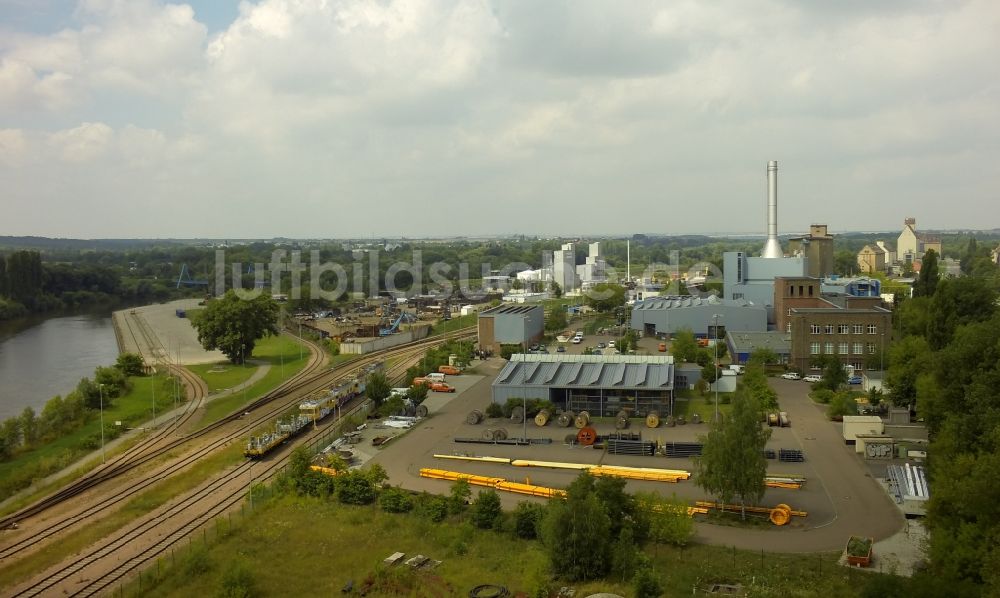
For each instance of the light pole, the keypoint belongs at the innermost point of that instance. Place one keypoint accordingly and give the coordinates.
(100, 391)
(716, 366)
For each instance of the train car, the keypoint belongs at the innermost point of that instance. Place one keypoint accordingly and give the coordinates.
(258, 446)
(310, 411)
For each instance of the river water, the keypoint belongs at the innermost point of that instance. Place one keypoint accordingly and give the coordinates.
(44, 357)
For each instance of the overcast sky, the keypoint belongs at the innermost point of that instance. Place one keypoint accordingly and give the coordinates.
(351, 118)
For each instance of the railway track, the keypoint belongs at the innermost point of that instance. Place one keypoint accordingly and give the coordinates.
(406, 355)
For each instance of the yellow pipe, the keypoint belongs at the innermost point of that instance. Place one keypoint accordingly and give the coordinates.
(736, 508)
(678, 473)
(325, 470)
(468, 458)
(549, 464)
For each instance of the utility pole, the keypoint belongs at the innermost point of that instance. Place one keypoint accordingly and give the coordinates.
(100, 390)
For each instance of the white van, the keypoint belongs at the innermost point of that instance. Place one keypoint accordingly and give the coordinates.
(435, 377)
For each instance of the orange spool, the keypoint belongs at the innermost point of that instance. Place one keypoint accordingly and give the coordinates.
(587, 436)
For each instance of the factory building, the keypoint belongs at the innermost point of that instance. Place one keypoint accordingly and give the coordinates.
(564, 268)
(854, 329)
(668, 315)
(510, 325)
(594, 270)
(742, 344)
(600, 384)
(817, 247)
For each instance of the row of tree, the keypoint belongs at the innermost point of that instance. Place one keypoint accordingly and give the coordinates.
(947, 363)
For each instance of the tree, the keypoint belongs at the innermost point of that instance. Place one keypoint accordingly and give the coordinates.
(395, 500)
(684, 347)
(417, 393)
(605, 297)
(909, 358)
(3, 276)
(669, 522)
(958, 301)
(624, 554)
(486, 510)
(527, 516)
(113, 380)
(709, 372)
(130, 364)
(926, 283)
(459, 496)
(845, 262)
(575, 533)
(556, 290)
(29, 426)
(556, 319)
(732, 465)
(355, 488)
(834, 375)
(234, 325)
(377, 388)
(968, 256)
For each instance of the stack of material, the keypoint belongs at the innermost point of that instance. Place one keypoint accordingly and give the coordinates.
(790, 455)
(787, 481)
(682, 449)
(631, 447)
(770, 454)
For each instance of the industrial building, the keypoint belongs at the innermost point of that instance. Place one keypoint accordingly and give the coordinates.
(564, 268)
(667, 315)
(603, 385)
(817, 247)
(742, 344)
(510, 325)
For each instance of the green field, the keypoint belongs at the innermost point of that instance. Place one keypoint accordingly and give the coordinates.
(223, 375)
(132, 409)
(703, 406)
(321, 545)
(454, 324)
(284, 354)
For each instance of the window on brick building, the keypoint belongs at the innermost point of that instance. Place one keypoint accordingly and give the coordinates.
(814, 349)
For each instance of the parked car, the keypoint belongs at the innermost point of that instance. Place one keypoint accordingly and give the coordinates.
(601, 345)
(442, 387)
(449, 370)
(854, 380)
(791, 376)
(577, 340)
(813, 378)
(560, 349)
(611, 344)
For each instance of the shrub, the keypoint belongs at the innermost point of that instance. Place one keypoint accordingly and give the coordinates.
(842, 404)
(395, 500)
(237, 582)
(526, 518)
(486, 510)
(436, 508)
(494, 410)
(823, 395)
(645, 583)
(354, 487)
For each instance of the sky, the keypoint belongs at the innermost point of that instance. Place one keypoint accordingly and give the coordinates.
(421, 118)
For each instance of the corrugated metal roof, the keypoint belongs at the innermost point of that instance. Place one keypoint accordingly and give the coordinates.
(509, 310)
(593, 371)
(677, 302)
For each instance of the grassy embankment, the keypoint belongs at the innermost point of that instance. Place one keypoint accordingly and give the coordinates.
(323, 545)
(285, 356)
(132, 409)
(135, 508)
(454, 324)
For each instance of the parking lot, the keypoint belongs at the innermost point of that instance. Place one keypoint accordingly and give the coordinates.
(840, 495)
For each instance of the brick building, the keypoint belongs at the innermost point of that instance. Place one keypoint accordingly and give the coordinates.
(852, 328)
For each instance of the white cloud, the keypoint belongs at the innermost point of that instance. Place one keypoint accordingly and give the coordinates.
(338, 105)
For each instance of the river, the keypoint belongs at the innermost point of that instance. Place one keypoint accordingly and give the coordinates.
(44, 357)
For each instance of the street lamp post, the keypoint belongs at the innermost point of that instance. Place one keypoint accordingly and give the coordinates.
(716, 366)
(100, 391)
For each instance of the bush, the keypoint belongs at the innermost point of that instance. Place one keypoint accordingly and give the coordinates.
(395, 500)
(237, 582)
(645, 583)
(354, 488)
(526, 518)
(435, 508)
(494, 410)
(486, 510)
(130, 364)
(842, 404)
(823, 395)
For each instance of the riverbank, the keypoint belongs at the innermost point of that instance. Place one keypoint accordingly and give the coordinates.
(160, 336)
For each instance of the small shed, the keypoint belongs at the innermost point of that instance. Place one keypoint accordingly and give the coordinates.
(856, 425)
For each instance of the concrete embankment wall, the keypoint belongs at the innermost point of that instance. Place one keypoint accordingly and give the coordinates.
(117, 322)
(368, 345)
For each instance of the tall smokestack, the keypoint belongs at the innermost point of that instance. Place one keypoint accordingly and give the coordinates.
(772, 249)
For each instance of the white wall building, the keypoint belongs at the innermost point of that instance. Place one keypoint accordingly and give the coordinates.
(564, 268)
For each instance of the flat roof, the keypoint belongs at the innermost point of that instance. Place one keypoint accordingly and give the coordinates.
(507, 309)
(746, 342)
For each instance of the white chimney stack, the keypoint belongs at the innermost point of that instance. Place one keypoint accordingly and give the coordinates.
(772, 249)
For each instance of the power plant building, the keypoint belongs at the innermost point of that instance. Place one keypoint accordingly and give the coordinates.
(669, 315)
(602, 385)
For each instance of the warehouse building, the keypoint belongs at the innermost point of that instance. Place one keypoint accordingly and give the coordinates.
(742, 344)
(600, 384)
(668, 315)
(510, 325)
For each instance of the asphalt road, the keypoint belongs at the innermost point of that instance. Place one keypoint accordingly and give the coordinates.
(840, 496)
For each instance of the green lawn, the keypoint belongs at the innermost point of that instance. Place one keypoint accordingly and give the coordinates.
(703, 406)
(131, 410)
(274, 350)
(323, 545)
(223, 375)
(454, 324)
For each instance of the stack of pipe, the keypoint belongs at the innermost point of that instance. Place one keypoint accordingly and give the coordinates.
(682, 449)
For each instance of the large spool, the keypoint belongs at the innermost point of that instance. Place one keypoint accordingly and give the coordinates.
(582, 420)
(495, 434)
(653, 419)
(781, 514)
(475, 416)
(587, 436)
(542, 418)
(622, 420)
(517, 415)
(421, 410)
(566, 419)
